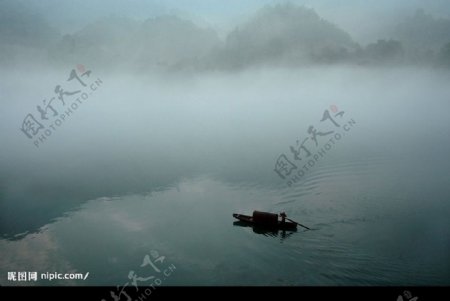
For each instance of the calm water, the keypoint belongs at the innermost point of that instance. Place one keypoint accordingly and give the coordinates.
(160, 165)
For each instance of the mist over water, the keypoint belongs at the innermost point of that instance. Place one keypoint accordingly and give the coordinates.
(161, 154)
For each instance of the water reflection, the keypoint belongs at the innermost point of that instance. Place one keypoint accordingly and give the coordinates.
(275, 233)
(190, 221)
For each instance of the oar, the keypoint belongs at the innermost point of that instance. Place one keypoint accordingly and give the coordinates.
(298, 223)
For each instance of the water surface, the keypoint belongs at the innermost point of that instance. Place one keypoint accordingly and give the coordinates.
(151, 164)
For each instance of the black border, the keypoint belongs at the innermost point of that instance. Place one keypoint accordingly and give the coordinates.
(313, 293)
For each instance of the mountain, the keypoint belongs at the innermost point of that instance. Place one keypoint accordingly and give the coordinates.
(171, 42)
(285, 34)
(443, 57)
(277, 35)
(162, 42)
(383, 51)
(423, 32)
(19, 26)
(108, 41)
(23, 34)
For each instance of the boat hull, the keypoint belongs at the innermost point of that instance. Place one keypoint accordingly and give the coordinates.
(247, 219)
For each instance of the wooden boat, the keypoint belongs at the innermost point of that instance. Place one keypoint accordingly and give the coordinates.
(269, 232)
(265, 220)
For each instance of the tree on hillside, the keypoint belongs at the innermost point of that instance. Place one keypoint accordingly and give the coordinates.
(443, 58)
(284, 34)
(422, 31)
(384, 51)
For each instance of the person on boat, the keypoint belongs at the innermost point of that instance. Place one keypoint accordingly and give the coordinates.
(283, 217)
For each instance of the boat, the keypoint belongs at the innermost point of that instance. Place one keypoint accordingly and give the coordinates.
(268, 232)
(265, 220)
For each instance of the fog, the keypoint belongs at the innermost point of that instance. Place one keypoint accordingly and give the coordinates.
(165, 38)
(176, 90)
(136, 134)
(177, 99)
